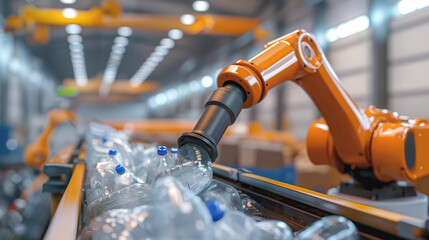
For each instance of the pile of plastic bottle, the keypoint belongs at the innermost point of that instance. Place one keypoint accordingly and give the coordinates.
(133, 191)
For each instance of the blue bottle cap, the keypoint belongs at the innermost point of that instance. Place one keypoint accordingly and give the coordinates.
(162, 150)
(216, 209)
(120, 169)
(112, 152)
(104, 139)
(174, 150)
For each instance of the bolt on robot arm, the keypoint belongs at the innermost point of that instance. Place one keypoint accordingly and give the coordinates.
(372, 144)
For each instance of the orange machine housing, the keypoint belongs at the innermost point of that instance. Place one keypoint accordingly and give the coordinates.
(37, 152)
(378, 140)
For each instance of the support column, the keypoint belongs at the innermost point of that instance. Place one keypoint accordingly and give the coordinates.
(379, 17)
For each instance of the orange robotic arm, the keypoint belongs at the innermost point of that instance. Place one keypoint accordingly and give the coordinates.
(389, 146)
(37, 152)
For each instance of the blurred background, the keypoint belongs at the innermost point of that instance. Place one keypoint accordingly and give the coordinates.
(147, 67)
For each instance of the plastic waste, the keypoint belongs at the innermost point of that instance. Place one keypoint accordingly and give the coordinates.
(174, 155)
(137, 194)
(331, 227)
(182, 215)
(123, 178)
(223, 193)
(195, 169)
(130, 224)
(236, 225)
(158, 164)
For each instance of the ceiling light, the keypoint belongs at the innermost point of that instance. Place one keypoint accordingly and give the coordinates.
(68, 1)
(69, 12)
(167, 43)
(121, 41)
(175, 34)
(73, 39)
(76, 47)
(207, 81)
(73, 29)
(172, 94)
(161, 50)
(187, 19)
(194, 86)
(201, 6)
(125, 31)
(161, 99)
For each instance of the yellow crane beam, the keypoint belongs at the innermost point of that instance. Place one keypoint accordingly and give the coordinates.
(110, 16)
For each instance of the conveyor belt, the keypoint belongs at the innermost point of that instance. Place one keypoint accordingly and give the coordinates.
(299, 207)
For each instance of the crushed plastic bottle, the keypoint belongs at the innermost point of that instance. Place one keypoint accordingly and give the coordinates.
(181, 214)
(100, 181)
(273, 229)
(238, 226)
(234, 225)
(174, 155)
(158, 164)
(130, 224)
(195, 168)
(251, 207)
(223, 193)
(332, 228)
(137, 194)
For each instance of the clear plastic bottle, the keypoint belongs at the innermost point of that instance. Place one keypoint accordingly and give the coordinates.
(132, 223)
(272, 229)
(181, 214)
(237, 225)
(123, 178)
(100, 181)
(158, 164)
(234, 225)
(332, 228)
(113, 157)
(194, 169)
(174, 152)
(223, 193)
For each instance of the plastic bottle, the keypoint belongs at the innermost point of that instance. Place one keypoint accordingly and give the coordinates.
(237, 225)
(100, 181)
(223, 193)
(158, 164)
(234, 225)
(123, 178)
(195, 170)
(113, 158)
(331, 227)
(181, 214)
(174, 155)
(272, 229)
(132, 223)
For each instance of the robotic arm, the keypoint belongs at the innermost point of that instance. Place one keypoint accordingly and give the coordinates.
(37, 152)
(371, 145)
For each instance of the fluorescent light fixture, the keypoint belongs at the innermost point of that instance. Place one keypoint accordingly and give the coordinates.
(125, 31)
(11, 144)
(183, 89)
(73, 39)
(200, 6)
(167, 43)
(187, 19)
(69, 12)
(348, 28)
(160, 50)
(408, 6)
(121, 41)
(73, 29)
(175, 34)
(68, 1)
(194, 86)
(160, 99)
(207, 81)
(172, 94)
